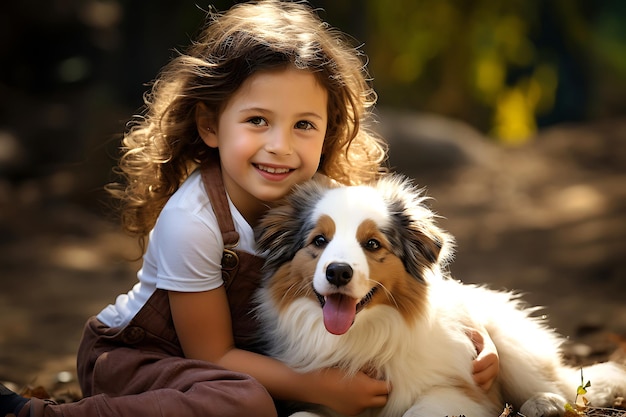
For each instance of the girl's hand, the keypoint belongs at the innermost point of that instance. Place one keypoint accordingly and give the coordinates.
(486, 364)
(349, 395)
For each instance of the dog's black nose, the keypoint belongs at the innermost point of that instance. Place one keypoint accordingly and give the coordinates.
(339, 273)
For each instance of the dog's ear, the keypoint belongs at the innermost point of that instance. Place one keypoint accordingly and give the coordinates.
(426, 247)
(282, 231)
(419, 242)
(275, 235)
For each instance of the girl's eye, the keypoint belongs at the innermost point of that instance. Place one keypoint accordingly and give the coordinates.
(372, 245)
(257, 121)
(303, 124)
(320, 241)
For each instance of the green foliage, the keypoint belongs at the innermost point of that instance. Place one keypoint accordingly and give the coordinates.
(580, 403)
(507, 67)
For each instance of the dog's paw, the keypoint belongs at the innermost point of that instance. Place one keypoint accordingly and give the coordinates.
(545, 404)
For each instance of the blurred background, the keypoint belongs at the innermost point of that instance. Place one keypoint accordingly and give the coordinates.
(511, 113)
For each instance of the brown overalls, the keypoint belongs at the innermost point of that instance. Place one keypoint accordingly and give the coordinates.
(140, 369)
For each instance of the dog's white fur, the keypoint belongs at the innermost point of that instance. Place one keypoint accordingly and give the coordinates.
(413, 331)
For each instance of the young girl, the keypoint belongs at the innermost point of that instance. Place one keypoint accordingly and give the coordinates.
(267, 97)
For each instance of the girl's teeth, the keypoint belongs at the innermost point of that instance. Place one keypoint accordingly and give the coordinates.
(272, 170)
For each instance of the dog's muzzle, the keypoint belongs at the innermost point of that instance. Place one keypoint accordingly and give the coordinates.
(339, 310)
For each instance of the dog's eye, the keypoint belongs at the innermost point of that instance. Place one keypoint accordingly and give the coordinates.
(372, 245)
(320, 241)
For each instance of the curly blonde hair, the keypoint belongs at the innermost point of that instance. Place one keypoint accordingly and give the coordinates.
(162, 147)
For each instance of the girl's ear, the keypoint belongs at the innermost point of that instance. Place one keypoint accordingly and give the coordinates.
(204, 123)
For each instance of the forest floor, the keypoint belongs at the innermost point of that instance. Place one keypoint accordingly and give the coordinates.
(547, 219)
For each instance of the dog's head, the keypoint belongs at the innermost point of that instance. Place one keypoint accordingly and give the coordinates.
(353, 248)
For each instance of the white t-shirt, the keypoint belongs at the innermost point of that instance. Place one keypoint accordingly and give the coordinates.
(184, 251)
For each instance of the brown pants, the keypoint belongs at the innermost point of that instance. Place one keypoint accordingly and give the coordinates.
(136, 371)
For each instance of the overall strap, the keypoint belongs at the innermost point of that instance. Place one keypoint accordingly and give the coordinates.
(211, 172)
(214, 185)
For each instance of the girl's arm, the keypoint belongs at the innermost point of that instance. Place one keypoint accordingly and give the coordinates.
(203, 326)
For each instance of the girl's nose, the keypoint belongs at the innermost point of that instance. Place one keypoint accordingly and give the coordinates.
(279, 142)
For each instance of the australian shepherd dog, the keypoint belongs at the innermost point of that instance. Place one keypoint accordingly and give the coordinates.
(357, 279)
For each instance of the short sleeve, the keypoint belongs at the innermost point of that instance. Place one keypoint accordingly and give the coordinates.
(187, 251)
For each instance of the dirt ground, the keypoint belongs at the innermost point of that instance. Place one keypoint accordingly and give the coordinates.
(547, 218)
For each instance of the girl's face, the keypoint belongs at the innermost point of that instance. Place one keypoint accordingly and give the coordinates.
(270, 136)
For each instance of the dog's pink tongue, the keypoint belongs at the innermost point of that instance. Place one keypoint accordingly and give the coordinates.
(339, 311)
